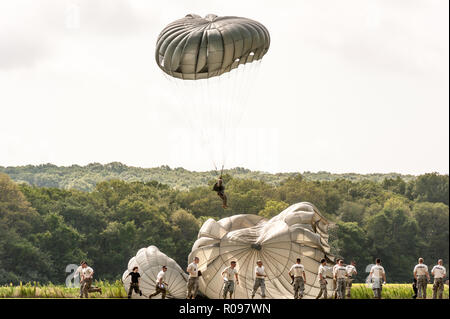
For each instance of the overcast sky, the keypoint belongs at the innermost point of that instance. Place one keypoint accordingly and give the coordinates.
(347, 86)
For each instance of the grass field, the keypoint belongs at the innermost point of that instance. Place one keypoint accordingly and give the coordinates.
(116, 290)
(391, 291)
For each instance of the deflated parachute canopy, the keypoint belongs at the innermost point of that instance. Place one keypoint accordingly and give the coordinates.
(150, 261)
(195, 48)
(298, 231)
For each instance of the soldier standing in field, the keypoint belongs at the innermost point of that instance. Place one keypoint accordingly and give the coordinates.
(322, 279)
(351, 272)
(334, 278)
(192, 285)
(340, 276)
(298, 272)
(229, 274)
(378, 277)
(260, 282)
(422, 276)
(87, 275)
(439, 273)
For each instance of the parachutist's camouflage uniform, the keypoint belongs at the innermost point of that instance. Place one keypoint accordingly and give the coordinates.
(259, 283)
(299, 287)
(228, 287)
(86, 288)
(323, 290)
(159, 290)
(438, 288)
(422, 283)
(192, 287)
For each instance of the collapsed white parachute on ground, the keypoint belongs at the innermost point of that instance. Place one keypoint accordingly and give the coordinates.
(298, 231)
(150, 261)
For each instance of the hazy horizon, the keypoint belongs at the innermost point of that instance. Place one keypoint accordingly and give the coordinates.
(229, 168)
(346, 86)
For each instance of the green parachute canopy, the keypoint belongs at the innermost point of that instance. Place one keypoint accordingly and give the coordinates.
(195, 48)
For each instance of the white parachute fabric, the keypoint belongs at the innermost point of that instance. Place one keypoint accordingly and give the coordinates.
(299, 231)
(150, 261)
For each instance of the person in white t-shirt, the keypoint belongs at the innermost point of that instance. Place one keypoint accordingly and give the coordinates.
(378, 278)
(192, 285)
(87, 275)
(229, 275)
(439, 273)
(260, 275)
(161, 285)
(334, 278)
(351, 272)
(422, 276)
(322, 279)
(77, 275)
(340, 274)
(297, 271)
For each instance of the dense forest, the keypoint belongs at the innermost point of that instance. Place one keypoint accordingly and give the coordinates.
(86, 177)
(43, 229)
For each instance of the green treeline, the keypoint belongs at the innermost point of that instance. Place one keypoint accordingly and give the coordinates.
(43, 229)
(86, 177)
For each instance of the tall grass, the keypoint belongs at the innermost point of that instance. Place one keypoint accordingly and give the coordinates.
(391, 291)
(36, 290)
(116, 290)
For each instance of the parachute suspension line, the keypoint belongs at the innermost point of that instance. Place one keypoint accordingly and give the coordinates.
(235, 82)
(242, 80)
(234, 86)
(189, 98)
(224, 114)
(249, 84)
(175, 109)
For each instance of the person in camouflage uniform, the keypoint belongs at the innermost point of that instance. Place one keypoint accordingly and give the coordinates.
(297, 272)
(322, 279)
(422, 276)
(351, 272)
(377, 276)
(87, 275)
(439, 273)
(334, 278)
(340, 275)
